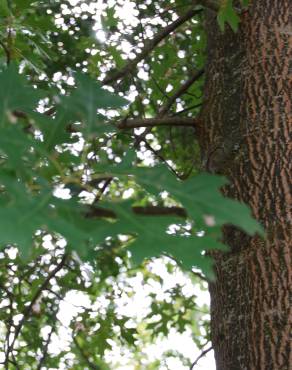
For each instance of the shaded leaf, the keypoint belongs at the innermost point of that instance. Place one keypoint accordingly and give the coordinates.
(227, 14)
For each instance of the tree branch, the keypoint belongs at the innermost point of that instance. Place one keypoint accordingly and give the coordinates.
(153, 122)
(149, 46)
(187, 109)
(45, 349)
(163, 160)
(182, 89)
(160, 211)
(142, 211)
(202, 354)
(29, 308)
(164, 109)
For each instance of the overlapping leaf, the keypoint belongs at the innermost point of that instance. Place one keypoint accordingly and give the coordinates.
(201, 197)
(31, 167)
(15, 94)
(83, 104)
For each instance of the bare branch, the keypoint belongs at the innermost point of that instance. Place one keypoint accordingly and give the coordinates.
(182, 89)
(149, 46)
(164, 109)
(160, 211)
(187, 109)
(142, 211)
(163, 160)
(98, 212)
(103, 189)
(28, 309)
(202, 354)
(45, 349)
(153, 122)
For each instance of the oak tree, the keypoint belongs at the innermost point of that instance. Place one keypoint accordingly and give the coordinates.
(143, 140)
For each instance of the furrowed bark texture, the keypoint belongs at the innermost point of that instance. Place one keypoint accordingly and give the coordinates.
(247, 136)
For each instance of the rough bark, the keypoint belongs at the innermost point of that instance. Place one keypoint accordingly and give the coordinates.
(247, 136)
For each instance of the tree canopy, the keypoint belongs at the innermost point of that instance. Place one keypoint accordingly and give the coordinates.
(100, 175)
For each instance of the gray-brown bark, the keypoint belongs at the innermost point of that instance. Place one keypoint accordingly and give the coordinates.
(247, 136)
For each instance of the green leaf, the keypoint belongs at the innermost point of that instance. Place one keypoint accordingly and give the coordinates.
(83, 234)
(21, 214)
(22, 4)
(187, 250)
(4, 10)
(16, 145)
(116, 54)
(227, 14)
(83, 103)
(55, 130)
(15, 94)
(201, 197)
(245, 3)
(152, 240)
(110, 20)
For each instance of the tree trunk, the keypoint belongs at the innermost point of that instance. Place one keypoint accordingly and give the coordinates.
(247, 136)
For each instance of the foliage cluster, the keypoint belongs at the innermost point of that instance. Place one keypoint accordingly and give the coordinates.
(86, 194)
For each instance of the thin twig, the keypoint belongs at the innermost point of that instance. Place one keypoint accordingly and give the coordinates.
(159, 156)
(202, 354)
(9, 362)
(187, 109)
(48, 340)
(159, 87)
(29, 308)
(45, 349)
(103, 189)
(182, 89)
(149, 46)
